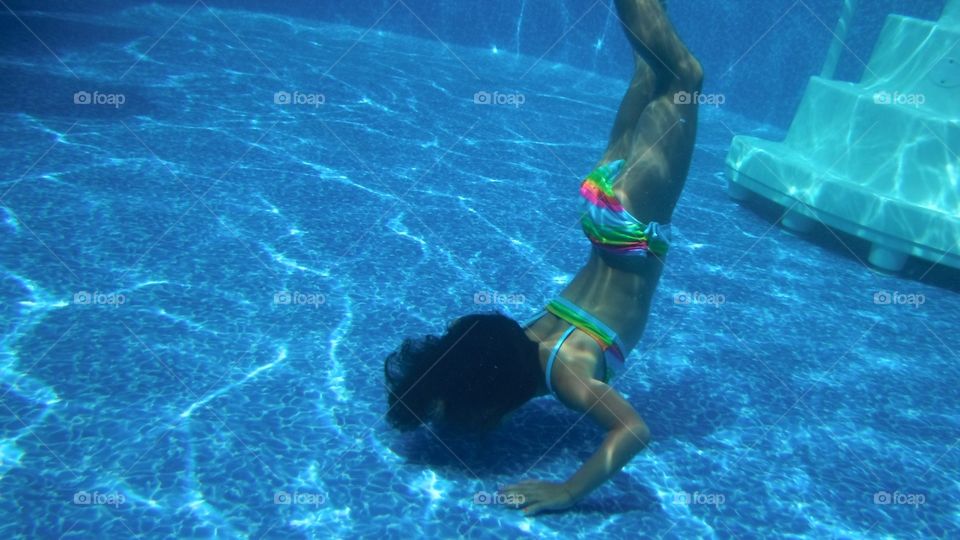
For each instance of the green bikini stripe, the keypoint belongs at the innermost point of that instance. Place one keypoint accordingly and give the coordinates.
(603, 177)
(579, 321)
(612, 236)
(615, 237)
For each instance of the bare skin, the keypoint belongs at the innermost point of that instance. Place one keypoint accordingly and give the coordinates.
(655, 136)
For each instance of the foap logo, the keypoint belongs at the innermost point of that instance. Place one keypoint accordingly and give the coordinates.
(497, 498)
(496, 98)
(897, 98)
(96, 298)
(897, 498)
(86, 498)
(684, 298)
(96, 98)
(897, 298)
(486, 298)
(297, 298)
(697, 98)
(299, 498)
(685, 498)
(299, 98)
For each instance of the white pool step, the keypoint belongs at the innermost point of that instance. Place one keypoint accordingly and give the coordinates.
(879, 159)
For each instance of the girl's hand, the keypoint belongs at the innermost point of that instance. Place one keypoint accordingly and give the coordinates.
(535, 496)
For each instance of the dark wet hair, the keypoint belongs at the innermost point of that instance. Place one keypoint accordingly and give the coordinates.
(467, 380)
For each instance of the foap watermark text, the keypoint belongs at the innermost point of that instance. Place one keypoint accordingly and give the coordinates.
(897, 298)
(299, 98)
(685, 298)
(897, 498)
(297, 298)
(97, 298)
(496, 98)
(299, 498)
(497, 498)
(686, 498)
(697, 98)
(898, 98)
(487, 298)
(98, 98)
(87, 498)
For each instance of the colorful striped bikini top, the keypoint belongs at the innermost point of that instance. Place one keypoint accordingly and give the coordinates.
(609, 225)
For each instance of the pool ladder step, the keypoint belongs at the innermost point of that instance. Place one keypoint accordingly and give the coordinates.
(879, 159)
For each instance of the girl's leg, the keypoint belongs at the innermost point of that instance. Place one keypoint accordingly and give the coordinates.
(653, 38)
(639, 94)
(656, 125)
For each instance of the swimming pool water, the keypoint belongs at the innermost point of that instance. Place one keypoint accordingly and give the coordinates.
(199, 286)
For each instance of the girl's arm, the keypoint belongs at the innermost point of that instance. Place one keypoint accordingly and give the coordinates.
(626, 435)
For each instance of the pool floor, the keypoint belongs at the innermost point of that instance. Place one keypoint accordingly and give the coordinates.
(198, 287)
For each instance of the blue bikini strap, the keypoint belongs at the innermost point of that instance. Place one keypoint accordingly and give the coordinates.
(553, 355)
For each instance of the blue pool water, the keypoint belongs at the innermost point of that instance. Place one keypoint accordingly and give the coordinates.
(198, 287)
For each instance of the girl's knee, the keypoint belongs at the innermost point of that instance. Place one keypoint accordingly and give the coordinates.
(690, 74)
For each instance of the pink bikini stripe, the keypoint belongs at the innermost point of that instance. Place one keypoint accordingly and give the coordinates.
(592, 192)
